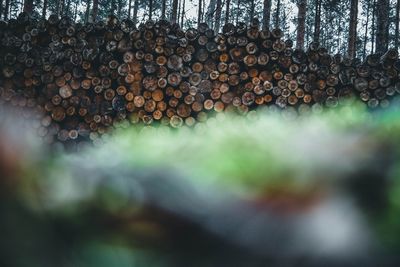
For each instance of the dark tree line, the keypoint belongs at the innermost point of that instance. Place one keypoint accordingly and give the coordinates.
(335, 24)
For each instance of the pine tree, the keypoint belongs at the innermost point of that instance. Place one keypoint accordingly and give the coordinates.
(373, 33)
(252, 7)
(183, 12)
(301, 20)
(44, 9)
(119, 8)
(200, 13)
(382, 29)
(351, 50)
(87, 12)
(237, 11)
(95, 10)
(277, 13)
(6, 9)
(397, 21)
(227, 15)
(174, 13)
(163, 8)
(28, 6)
(365, 39)
(266, 14)
(218, 11)
(317, 20)
(135, 11)
(211, 13)
(1, 8)
(150, 9)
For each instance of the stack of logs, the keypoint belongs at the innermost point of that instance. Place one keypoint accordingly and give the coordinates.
(80, 80)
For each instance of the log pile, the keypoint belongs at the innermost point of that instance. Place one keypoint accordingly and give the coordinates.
(80, 80)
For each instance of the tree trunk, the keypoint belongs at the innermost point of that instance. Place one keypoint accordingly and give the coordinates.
(135, 11)
(373, 27)
(6, 9)
(228, 3)
(163, 7)
(301, 23)
(351, 49)
(218, 15)
(382, 33)
(396, 40)
(202, 11)
(150, 9)
(28, 6)
(62, 7)
(178, 16)
(67, 8)
(366, 31)
(95, 10)
(210, 13)
(199, 14)
(87, 12)
(277, 13)
(112, 9)
(339, 33)
(317, 22)
(76, 10)
(237, 11)
(57, 9)
(183, 13)
(1, 8)
(266, 14)
(44, 10)
(252, 6)
(119, 11)
(174, 12)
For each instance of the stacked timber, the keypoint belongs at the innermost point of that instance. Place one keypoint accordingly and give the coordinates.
(81, 80)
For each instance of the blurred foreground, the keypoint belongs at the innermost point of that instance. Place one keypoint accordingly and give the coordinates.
(265, 190)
